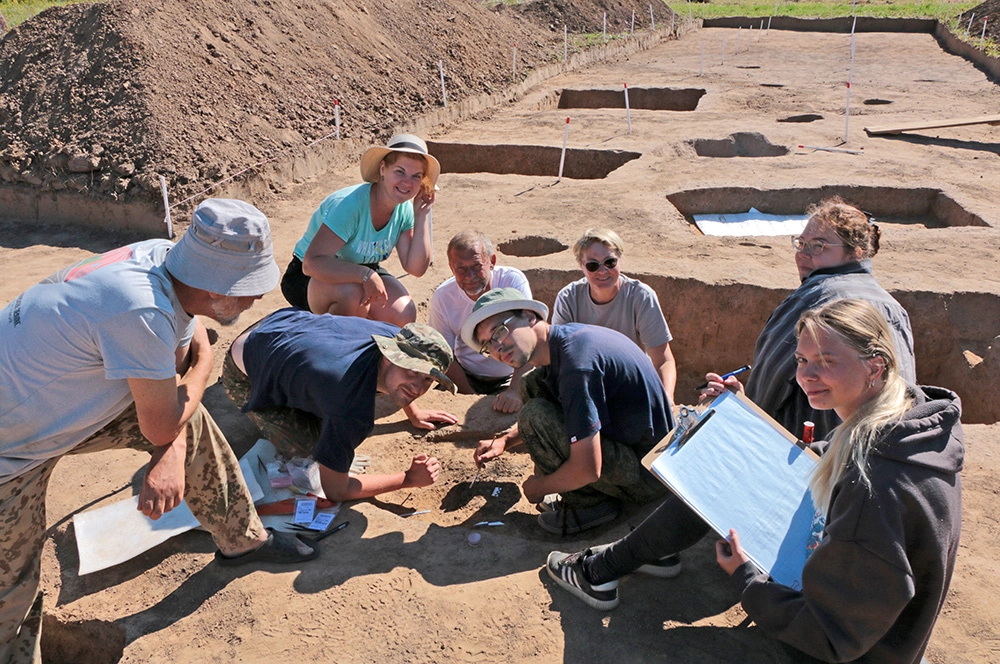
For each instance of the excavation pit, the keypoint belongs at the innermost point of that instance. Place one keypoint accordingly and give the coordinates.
(532, 245)
(580, 164)
(647, 99)
(82, 641)
(877, 102)
(740, 144)
(805, 117)
(930, 208)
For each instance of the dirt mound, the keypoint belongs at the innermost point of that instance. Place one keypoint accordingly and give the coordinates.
(989, 12)
(105, 98)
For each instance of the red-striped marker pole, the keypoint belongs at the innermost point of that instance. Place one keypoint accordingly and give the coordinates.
(562, 158)
(850, 77)
(336, 118)
(628, 111)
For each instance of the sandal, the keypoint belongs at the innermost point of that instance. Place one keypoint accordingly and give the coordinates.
(279, 548)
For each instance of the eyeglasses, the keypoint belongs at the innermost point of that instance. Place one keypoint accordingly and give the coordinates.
(812, 247)
(497, 337)
(611, 262)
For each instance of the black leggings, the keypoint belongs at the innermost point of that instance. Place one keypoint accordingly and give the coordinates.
(671, 528)
(295, 283)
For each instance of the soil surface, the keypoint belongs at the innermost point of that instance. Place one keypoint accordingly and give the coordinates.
(105, 98)
(398, 589)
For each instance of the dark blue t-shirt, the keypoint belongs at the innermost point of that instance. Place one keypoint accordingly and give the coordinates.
(605, 383)
(321, 364)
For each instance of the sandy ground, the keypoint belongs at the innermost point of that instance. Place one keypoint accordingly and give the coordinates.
(394, 589)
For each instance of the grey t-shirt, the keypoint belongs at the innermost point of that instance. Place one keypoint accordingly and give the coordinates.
(69, 344)
(635, 311)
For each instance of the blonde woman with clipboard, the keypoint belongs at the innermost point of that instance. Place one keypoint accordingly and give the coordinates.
(890, 487)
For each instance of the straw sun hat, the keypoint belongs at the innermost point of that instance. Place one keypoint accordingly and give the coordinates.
(409, 143)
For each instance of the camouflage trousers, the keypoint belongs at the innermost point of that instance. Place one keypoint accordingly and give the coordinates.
(214, 490)
(293, 432)
(542, 425)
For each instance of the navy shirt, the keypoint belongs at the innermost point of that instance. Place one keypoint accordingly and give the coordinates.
(605, 383)
(322, 364)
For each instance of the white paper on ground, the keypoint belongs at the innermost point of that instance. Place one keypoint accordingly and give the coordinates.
(118, 532)
(751, 223)
(115, 533)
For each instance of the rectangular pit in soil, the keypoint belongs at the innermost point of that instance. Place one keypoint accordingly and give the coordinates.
(648, 99)
(581, 164)
(922, 206)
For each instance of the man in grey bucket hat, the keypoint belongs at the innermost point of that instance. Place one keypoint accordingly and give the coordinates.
(310, 381)
(107, 354)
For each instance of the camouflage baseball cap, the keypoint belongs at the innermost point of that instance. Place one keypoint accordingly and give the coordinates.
(419, 348)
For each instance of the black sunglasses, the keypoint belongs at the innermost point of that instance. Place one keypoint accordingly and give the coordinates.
(611, 262)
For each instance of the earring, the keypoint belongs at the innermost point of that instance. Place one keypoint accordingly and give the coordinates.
(871, 383)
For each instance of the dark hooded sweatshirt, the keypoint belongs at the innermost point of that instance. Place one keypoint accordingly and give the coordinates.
(772, 383)
(873, 588)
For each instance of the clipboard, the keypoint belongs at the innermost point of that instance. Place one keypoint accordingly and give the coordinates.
(738, 468)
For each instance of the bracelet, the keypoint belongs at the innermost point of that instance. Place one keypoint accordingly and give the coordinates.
(368, 276)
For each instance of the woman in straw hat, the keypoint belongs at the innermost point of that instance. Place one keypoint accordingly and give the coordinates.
(336, 264)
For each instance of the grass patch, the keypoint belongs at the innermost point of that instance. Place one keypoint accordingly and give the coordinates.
(873, 8)
(16, 12)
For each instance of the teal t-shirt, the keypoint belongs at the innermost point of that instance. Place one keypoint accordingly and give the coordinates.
(348, 213)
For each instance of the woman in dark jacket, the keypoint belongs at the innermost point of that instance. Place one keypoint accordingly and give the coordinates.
(833, 256)
(888, 484)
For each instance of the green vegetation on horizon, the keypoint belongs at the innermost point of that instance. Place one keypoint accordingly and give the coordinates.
(16, 12)
(873, 8)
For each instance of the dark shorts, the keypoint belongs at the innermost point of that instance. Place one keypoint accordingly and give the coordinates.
(295, 283)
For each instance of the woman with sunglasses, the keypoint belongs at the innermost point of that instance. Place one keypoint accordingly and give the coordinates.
(888, 484)
(336, 266)
(833, 256)
(608, 298)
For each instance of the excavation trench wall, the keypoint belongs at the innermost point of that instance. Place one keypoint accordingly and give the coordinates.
(931, 207)
(948, 40)
(649, 99)
(581, 164)
(715, 327)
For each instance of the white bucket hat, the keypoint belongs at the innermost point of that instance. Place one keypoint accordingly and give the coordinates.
(408, 143)
(226, 250)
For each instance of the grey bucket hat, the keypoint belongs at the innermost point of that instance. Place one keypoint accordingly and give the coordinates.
(419, 348)
(226, 250)
(494, 302)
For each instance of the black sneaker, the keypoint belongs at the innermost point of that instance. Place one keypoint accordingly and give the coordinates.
(667, 567)
(566, 569)
(569, 520)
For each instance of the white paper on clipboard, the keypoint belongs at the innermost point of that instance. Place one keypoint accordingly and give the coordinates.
(738, 468)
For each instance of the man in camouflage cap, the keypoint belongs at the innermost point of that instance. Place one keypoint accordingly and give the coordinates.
(309, 383)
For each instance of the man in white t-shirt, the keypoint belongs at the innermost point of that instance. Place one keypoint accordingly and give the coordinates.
(473, 263)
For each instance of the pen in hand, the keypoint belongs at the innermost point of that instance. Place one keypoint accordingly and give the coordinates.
(734, 372)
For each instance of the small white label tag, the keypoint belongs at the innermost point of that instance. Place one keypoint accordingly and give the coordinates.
(304, 510)
(322, 521)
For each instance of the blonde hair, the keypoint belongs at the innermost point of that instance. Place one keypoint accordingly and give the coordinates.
(850, 224)
(863, 328)
(608, 238)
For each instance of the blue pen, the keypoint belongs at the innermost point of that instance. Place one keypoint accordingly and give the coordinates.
(734, 372)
